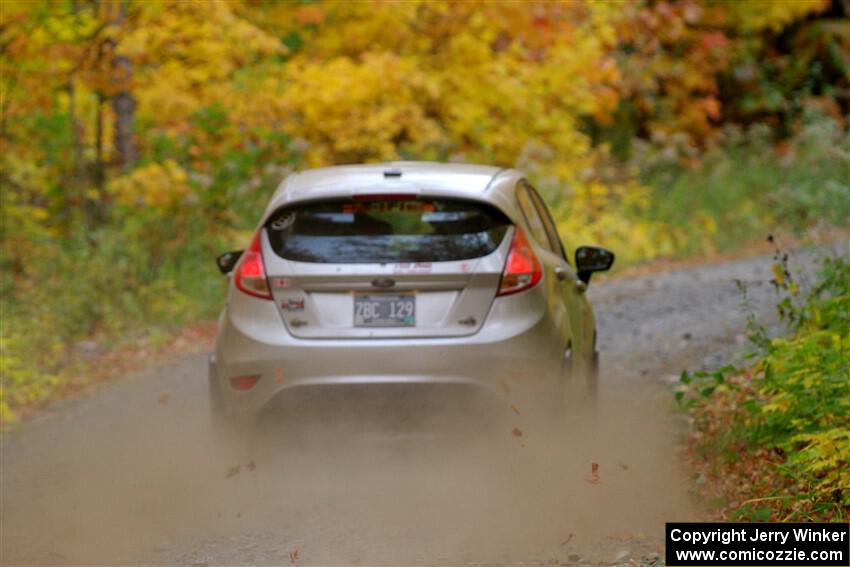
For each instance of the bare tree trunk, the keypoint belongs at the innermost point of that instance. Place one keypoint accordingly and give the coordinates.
(98, 142)
(124, 107)
(123, 103)
(94, 207)
(76, 136)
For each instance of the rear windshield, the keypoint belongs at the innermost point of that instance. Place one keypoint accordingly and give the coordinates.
(380, 231)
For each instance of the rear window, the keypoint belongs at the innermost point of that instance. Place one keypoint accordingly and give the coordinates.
(383, 231)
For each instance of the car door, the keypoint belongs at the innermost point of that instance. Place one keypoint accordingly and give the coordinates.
(558, 294)
(571, 288)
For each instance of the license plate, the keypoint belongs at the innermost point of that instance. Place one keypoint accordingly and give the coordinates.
(385, 310)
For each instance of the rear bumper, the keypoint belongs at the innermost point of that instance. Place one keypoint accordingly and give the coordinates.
(518, 361)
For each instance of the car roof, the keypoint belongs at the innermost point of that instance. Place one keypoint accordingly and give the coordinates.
(458, 178)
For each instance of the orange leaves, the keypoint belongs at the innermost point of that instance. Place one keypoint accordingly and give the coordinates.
(309, 14)
(673, 52)
(715, 40)
(672, 69)
(593, 478)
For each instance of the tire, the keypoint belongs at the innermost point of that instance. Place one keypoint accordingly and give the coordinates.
(230, 431)
(581, 379)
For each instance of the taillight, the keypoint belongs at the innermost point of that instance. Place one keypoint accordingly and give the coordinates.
(522, 270)
(251, 273)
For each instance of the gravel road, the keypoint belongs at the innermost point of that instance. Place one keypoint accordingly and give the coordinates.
(130, 473)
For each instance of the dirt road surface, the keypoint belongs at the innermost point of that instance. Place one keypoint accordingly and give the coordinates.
(131, 474)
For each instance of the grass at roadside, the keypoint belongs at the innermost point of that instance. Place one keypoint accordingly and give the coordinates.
(672, 201)
(772, 441)
(120, 289)
(94, 362)
(749, 188)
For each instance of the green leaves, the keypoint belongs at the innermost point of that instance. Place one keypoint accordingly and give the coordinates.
(693, 386)
(786, 418)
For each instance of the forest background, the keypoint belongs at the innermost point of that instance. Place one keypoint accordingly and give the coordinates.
(140, 139)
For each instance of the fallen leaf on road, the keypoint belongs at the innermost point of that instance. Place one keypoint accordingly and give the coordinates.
(163, 399)
(623, 465)
(517, 432)
(513, 407)
(778, 274)
(233, 471)
(293, 557)
(594, 474)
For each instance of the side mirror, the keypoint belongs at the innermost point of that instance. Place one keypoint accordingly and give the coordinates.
(227, 261)
(591, 259)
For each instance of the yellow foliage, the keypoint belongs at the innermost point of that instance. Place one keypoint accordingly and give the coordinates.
(756, 15)
(184, 51)
(160, 186)
(423, 79)
(350, 111)
(20, 381)
(824, 453)
(610, 213)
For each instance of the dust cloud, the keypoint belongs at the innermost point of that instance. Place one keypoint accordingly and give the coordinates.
(132, 474)
(353, 477)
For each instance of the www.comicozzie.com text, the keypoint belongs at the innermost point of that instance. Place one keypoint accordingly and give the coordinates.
(755, 534)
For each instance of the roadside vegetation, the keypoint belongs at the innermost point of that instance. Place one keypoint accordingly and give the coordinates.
(139, 139)
(771, 441)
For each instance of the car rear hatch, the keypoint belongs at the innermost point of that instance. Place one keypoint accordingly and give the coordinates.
(385, 266)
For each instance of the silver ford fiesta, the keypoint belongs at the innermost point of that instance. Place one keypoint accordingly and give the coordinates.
(406, 273)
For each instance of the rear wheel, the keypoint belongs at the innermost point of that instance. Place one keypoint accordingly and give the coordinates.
(580, 383)
(228, 430)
